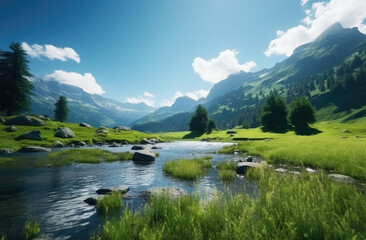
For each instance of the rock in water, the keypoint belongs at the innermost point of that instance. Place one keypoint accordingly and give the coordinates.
(144, 156)
(34, 149)
(6, 150)
(65, 132)
(85, 125)
(11, 129)
(31, 135)
(122, 189)
(145, 141)
(172, 192)
(25, 121)
(242, 167)
(93, 200)
(138, 147)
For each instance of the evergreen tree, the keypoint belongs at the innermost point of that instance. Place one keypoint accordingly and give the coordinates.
(15, 86)
(211, 125)
(199, 120)
(61, 109)
(274, 114)
(301, 113)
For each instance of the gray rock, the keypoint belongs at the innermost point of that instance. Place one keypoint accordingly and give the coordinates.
(145, 141)
(6, 150)
(77, 144)
(154, 140)
(122, 128)
(58, 144)
(114, 144)
(231, 132)
(65, 132)
(341, 178)
(346, 131)
(104, 131)
(144, 156)
(11, 129)
(138, 147)
(280, 170)
(31, 149)
(310, 170)
(31, 135)
(85, 125)
(242, 167)
(155, 147)
(172, 192)
(42, 117)
(205, 140)
(25, 121)
(122, 189)
(93, 200)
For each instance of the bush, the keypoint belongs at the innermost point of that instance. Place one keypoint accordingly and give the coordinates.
(31, 229)
(199, 120)
(301, 113)
(274, 114)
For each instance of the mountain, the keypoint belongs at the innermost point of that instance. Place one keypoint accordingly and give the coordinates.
(84, 107)
(181, 104)
(322, 70)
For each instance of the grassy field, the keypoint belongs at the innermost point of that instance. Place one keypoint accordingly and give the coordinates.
(110, 203)
(311, 207)
(187, 168)
(344, 152)
(88, 135)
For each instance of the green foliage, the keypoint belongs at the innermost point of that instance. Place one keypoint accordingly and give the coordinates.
(301, 113)
(61, 109)
(110, 203)
(199, 120)
(187, 168)
(226, 166)
(227, 175)
(31, 229)
(274, 114)
(211, 125)
(15, 87)
(245, 125)
(311, 207)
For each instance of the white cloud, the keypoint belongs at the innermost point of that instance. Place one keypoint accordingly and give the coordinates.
(51, 52)
(147, 98)
(217, 69)
(350, 13)
(194, 95)
(303, 2)
(87, 81)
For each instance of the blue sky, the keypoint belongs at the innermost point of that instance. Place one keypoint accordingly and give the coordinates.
(155, 51)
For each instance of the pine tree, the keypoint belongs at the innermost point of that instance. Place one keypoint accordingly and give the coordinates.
(61, 109)
(301, 113)
(14, 80)
(211, 125)
(199, 120)
(274, 114)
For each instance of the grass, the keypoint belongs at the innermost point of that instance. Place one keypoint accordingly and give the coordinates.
(110, 203)
(5, 159)
(311, 207)
(31, 229)
(330, 149)
(67, 157)
(226, 166)
(187, 168)
(88, 135)
(227, 171)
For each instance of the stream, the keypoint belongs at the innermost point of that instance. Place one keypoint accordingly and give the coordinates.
(55, 196)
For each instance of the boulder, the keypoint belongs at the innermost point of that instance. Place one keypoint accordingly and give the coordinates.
(346, 131)
(31, 149)
(93, 200)
(6, 150)
(103, 131)
(11, 129)
(122, 128)
(58, 144)
(145, 141)
(144, 156)
(85, 125)
(31, 135)
(42, 117)
(114, 144)
(310, 170)
(138, 147)
(205, 140)
(341, 178)
(172, 192)
(242, 167)
(154, 140)
(231, 132)
(25, 121)
(280, 170)
(65, 132)
(122, 189)
(155, 147)
(77, 144)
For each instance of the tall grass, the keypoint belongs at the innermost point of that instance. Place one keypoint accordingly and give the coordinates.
(110, 203)
(31, 229)
(227, 171)
(226, 166)
(288, 207)
(4, 160)
(188, 168)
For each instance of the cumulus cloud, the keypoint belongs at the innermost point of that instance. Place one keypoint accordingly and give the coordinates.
(321, 15)
(147, 98)
(87, 81)
(51, 52)
(216, 69)
(194, 95)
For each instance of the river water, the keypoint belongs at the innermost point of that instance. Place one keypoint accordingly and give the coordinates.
(55, 196)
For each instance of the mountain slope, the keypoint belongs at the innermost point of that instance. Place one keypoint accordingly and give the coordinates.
(84, 107)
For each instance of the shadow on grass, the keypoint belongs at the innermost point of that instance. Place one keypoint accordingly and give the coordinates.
(276, 130)
(193, 135)
(306, 131)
